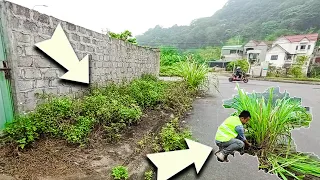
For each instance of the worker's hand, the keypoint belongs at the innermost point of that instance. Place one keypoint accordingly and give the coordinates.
(248, 144)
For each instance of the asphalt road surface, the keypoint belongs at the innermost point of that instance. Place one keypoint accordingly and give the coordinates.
(208, 114)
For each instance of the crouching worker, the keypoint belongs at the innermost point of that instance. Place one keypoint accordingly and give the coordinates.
(230, 136)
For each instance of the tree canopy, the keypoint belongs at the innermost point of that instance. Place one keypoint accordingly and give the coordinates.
(125, 36)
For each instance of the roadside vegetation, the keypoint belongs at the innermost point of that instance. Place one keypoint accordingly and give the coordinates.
(106, 113)
(120, 173)
(274, 116)
(171, 59)
(242, 63)
(112, 108)
(295, 71)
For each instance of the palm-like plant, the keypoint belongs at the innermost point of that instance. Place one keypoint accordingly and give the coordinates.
(273, 116)
(193, 73)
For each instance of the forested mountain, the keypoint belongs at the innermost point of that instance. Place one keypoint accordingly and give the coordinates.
(248, 19)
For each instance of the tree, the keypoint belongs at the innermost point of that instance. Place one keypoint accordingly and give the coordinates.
(237, 40)
(296, 69)
(209, 53)
(125, 36)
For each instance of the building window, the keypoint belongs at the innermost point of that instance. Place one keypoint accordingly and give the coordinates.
(233, 51)
(303, 47)
(249, 49)
(297, 47)
(309, 46)
(274, 57)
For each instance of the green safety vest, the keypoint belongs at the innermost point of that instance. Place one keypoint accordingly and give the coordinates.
(226, 130)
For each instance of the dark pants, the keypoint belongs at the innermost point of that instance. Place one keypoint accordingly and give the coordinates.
(230, 146)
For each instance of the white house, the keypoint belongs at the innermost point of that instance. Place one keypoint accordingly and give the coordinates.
(232, 53)
(285, 49)
(256, 51)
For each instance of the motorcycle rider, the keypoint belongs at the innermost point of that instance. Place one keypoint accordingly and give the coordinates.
(238, 72)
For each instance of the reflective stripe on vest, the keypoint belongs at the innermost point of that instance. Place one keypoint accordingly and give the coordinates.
(226, 130)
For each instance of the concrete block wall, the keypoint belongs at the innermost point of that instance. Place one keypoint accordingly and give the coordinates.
(34, 72)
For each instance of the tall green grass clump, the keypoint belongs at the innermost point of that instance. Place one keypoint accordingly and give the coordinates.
(273, 116)
(193, 73)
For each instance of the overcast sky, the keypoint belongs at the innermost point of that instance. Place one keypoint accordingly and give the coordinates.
(118, 15)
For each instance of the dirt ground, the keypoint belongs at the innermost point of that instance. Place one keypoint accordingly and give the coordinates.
(51, 159)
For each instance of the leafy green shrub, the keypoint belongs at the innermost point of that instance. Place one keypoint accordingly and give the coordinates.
(296, 71)
(172, 137)
(168, 71)
(108, 105)
(243, 64)
(120, 173)
(148, 175)
(113, 107)
(48, 118)
(78, 132)
(52, 113)
(315, 71)
(178, 97)
(277, 72)
(170, 56)
(125, 36)
(113, 131)
(146, 93)
(149, 77)
(23, 130)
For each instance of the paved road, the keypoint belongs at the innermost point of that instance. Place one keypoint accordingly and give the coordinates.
(208, 113)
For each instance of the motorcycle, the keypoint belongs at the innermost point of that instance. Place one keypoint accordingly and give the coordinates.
(244, 77)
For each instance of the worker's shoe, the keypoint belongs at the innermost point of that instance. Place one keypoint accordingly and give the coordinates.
(220, 156)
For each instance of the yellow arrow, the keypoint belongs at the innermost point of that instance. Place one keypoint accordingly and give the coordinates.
(60, 49)
(171, 163)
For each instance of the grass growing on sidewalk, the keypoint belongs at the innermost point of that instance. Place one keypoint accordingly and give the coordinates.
(274, 116)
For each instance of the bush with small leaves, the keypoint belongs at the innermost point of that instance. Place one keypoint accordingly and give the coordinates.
(120, 173)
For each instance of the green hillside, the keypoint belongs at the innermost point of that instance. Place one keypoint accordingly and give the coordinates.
(239, 21)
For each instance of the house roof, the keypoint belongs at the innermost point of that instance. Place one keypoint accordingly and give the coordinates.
(254, 41)
(277, 45)
(267, 43)
(237, 47)
(298, 38)
(262, 43)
